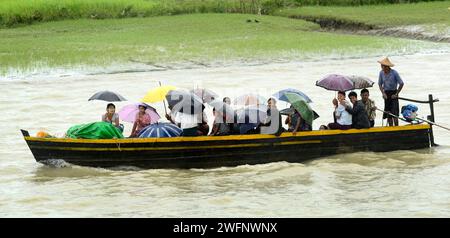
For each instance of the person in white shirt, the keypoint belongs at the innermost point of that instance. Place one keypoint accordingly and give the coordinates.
(343, 118)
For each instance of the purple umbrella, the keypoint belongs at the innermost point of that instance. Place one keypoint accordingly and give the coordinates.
(128, 112)
(336, 82)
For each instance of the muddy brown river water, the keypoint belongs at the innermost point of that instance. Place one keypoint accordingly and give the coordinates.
(394, 184)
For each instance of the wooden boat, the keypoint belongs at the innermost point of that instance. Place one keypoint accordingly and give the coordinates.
(233, 150)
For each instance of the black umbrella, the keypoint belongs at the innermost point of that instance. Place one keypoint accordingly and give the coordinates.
(107, 96)
(185, 102)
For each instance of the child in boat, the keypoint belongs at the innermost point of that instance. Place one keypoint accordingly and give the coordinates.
(142, 120)
(112, 117)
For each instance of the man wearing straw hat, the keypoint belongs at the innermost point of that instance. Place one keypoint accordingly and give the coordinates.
(390, 86)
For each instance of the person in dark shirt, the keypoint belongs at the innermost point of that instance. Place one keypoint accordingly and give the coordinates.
(360, 119)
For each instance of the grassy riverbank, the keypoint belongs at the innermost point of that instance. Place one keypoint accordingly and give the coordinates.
(184, 38)
(24, 12)
(380, 15)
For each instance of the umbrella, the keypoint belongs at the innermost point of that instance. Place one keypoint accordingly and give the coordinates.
(223, 108)
(290, 111)
(160, 130)
(186, 102)
(302, 107)
(128, 112)
(249, 99)
(361, 82)
(157, 94)
(107, 96)
(336, 82)
(205, 94)
(280, 94)
(252, 114)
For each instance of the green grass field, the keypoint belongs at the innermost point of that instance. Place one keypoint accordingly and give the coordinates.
(201, 37)
(14, 13)
(380, 15)
(24, 12)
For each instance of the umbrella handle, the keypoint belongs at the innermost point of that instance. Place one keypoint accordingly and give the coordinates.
(164, 100)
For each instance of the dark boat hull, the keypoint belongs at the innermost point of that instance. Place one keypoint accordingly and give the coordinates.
(208, 152)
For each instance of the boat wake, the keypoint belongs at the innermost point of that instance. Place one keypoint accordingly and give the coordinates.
(56, 163)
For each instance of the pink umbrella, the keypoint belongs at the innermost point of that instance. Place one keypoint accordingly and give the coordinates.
(128, 112)
(336, 82)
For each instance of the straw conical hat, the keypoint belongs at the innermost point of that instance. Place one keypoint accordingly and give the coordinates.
(386, 62)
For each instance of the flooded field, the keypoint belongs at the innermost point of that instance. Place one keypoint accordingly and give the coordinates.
(394, 184)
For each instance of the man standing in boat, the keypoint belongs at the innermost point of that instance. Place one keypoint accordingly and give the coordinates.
(390, 85)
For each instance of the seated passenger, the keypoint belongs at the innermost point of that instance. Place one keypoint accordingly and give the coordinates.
(296, 123)
(142, 120)
(220, 127)
(235, 126)
(360, 119)
(227, 100)
(369, 105)
(272, 124)
(188, 123)
(343, 118)
(203, 127)
(112, 117)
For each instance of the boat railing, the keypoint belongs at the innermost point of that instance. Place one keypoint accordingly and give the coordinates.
(430, 117)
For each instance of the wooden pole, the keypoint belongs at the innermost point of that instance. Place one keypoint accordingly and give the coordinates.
(431, 117)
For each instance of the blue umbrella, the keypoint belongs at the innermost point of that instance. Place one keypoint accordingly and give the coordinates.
(281, 95)
(160, 130)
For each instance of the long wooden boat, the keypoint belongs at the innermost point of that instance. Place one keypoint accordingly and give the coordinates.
(233, 150)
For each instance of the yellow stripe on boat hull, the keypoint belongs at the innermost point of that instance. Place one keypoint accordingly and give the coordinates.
(233, 137)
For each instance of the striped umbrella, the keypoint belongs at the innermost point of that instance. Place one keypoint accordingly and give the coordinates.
(361, 82)
(160, 130)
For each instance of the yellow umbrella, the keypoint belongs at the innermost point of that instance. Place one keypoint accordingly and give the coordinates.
(157, 94)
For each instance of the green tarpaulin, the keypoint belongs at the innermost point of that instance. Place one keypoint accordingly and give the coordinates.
(95, 130)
